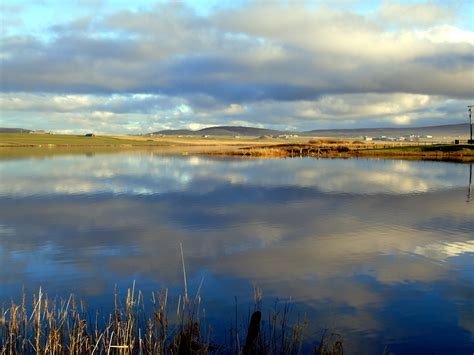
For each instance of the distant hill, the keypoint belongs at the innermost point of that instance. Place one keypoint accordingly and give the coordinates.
(14, 130)
(223, 131)
(452, 130)
(176, 132)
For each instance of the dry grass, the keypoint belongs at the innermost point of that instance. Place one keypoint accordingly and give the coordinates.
(65, 327)
(287, 150)
(63, 140)
(26, 145)
(458, 153)
(328, 141)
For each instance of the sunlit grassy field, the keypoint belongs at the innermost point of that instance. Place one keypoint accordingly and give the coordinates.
(19, 139)
(244, 146)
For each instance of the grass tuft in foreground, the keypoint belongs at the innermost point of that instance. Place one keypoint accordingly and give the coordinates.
(65, 327)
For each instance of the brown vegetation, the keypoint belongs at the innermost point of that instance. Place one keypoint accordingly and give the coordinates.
(65, 327)
(356, 150)
(20, 145)
(320, 141)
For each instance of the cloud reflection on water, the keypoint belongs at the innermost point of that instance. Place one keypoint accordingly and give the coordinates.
(150, 174)
(348, 239)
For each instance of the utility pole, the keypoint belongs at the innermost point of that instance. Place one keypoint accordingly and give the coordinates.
(470, 123)
(469, 185)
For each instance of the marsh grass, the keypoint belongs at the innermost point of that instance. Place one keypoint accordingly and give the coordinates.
(320, 141)
(65, 327)
(52, 326)
(18, 145)
(329, 149)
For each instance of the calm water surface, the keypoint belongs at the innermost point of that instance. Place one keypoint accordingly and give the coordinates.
(380, 251)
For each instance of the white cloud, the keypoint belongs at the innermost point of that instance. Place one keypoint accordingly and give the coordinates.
(233, 109)
(414, 14)
(442, 251)
(282, 65)
(401, 119)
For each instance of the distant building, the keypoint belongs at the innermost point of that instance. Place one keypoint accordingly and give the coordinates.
(368, 139)
(385, 139)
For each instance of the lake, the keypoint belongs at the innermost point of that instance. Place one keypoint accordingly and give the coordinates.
(379, 251)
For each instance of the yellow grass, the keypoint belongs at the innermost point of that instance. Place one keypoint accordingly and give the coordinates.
(50, 326)
(24, 145)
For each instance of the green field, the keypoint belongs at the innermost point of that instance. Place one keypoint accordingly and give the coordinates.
(65, 140)
(25, 139)
(24, 145)
(435, 148)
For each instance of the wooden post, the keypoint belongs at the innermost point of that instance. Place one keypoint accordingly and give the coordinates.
(470, 123)
(469, 186)
(252, 334)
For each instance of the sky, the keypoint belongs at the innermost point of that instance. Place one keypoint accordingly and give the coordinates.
(141, 66)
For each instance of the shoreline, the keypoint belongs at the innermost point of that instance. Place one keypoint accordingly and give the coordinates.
(460, 153)
(454, 153)
(22, 145)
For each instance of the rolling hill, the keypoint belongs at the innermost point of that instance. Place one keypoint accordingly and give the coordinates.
(453, 130)
(224, 131)
(14, 130)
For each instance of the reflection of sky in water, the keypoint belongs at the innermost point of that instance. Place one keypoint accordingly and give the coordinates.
(150, 174)
(379, 250)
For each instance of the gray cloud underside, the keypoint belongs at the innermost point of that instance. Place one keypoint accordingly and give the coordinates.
(272, 65)
(237, 56)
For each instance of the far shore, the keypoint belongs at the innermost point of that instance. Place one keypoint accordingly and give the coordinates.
(17, 145)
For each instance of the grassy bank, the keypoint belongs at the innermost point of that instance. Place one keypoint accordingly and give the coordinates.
(39, 145)
(447, 152)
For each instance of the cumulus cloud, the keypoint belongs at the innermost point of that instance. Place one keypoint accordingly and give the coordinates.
(415, 14)
(240, 61)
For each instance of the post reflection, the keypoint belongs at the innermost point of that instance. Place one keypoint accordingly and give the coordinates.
(469, 185)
